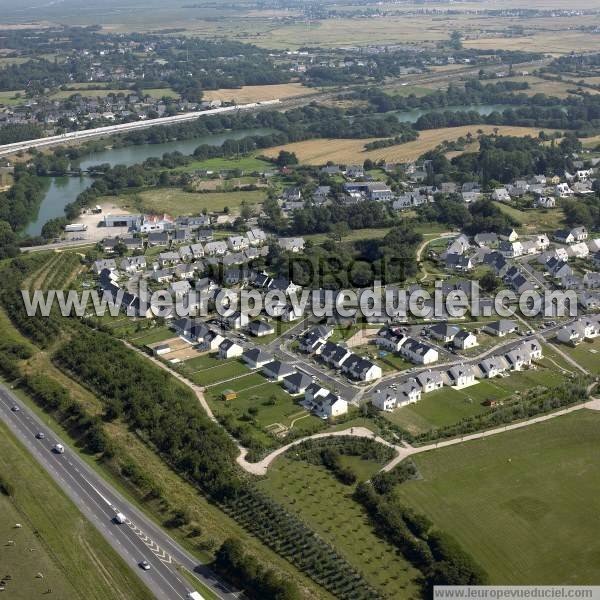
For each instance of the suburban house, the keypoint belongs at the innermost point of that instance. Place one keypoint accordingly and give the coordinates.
(409, 392)
(464, 340)
(291, 244)
(509, 235)
(418, 352)
(256, 357)
(578, 331)
(324, 403)
(361, 368)
(237, 243)
(444, 332)
(277, 370)
(492, 366)
(260, 328)
(578, 250)
(384, 399)
(544, 202)
(390, 339)
(296, 383)
(461, 376)
(571, 236)
(313, 340)
(501, 195)
(500, 328)
(133, 264)
(430, 381)
(229, 349)
(193, 330)
(334, 355)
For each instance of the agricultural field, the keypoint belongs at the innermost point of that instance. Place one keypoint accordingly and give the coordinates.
(258, 93)
(517, 500)
(54, 541)
(326, 505)
(537, 85)
(555, 43)
(177, 202)
(318, 152)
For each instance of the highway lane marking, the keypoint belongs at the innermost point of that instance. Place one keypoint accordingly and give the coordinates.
(61, 476)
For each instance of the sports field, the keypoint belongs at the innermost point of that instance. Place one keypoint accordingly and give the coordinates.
(318, 152)
(523, 503)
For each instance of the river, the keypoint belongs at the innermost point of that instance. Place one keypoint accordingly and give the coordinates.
(64, 190)
(411, 116)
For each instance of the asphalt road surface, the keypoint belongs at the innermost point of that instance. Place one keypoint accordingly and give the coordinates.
(135, 540)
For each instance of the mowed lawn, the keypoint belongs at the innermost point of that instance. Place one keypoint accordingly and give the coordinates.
(327, 506)
(318, 152)
(448, 406)
(177, 202)
(54, 540)
(266, 401)
(587, 354)
(524, 503)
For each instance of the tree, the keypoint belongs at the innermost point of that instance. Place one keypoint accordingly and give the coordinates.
(8, 241)
(339, 230)
(489, 282)
(246, 211)
(456, 40)
(286, 158)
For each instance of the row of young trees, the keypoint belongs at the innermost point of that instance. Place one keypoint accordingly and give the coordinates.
(534, 402)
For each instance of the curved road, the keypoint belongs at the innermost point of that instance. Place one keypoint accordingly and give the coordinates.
(139, 538)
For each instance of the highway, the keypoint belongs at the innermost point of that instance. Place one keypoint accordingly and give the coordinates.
(135, 540)
(75, 136)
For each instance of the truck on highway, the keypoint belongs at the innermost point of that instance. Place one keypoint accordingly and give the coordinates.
(59, 448)
(195, 596)
(120, 518)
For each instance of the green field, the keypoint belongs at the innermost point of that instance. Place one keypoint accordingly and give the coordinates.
(209, 369)
(534, 220)
(587, 354)
(54, 540)
(522, 503)
(262, 403)
(448, 406)
(177, 202)
(246, 163)
(10, 99)
(158, 334)
(327, 506)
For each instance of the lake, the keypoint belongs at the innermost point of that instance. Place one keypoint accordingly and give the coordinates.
(64, 190)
